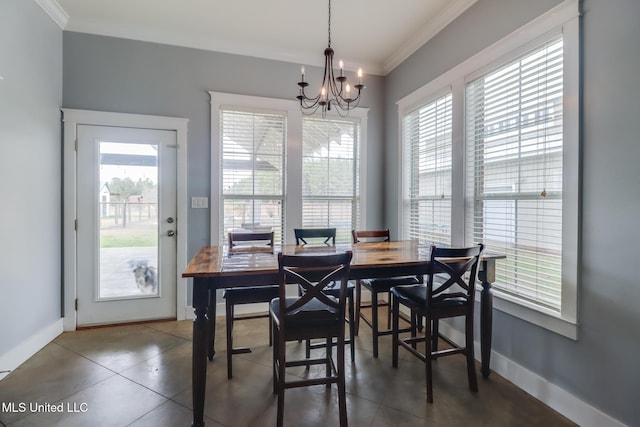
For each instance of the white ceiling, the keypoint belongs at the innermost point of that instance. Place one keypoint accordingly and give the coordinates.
(374, 34)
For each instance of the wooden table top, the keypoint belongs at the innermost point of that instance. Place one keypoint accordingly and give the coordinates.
(212, 261)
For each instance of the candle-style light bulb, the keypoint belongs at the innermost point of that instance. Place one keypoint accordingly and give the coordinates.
(341, 67)
(359, 75)
(348, 89)
(323, 93)
(302, 72)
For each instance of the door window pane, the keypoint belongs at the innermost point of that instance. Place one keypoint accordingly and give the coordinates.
(128, 218)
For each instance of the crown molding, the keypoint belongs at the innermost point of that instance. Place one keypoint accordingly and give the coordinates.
(433, 27)
(55, 11)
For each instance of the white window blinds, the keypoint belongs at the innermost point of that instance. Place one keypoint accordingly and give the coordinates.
(514, 137)
(427, 143)
(330, 152)
(252, 154)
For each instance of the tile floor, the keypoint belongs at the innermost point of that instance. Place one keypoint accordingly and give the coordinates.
(140, 375)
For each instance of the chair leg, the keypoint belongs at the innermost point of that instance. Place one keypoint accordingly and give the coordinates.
(211, 330)
(275, 355)
(388, 310)
(394, 331)
(342, 393)
(329, 351)
(471, 363)
(280, 344)
(352, 327)
(229, 314)
(374, 322)
(280, 414)
(413, 328)
(358, 307)
(428, 357)
(435, 331)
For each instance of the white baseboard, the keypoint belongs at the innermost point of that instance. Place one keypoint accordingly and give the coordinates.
(27, 348)
(550, 394)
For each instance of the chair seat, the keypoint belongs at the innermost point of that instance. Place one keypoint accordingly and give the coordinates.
(416, 296)
(385, 284)
(251, 295)
(312, 314)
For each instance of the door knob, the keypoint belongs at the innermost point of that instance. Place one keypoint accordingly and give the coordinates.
(171, 233)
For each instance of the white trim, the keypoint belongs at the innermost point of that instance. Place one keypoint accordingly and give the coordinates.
(19, 354)
(55, 11)
(545, 391)
(71, 119)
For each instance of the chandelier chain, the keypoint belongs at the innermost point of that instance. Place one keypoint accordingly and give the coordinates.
(329, 23)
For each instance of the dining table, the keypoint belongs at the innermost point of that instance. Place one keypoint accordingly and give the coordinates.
(215, 267)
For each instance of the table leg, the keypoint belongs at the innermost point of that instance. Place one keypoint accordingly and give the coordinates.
(487, 276)
(211, 313)
(199, 352)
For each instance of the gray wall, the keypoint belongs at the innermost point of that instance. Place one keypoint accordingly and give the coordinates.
(30, 171)
(601, 367)
(112, 74)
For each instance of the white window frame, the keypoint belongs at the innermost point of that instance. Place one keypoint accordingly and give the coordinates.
(292, 209)
(563, 18)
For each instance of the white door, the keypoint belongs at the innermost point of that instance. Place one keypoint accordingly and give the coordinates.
(126, 224)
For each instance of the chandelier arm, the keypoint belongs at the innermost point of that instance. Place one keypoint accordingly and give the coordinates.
(303, 97)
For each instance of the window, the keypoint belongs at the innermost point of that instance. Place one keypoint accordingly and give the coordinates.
(514, 138)
(253, 148)
(275, 168)
(330, 175)
(427, 162)
(514, 164)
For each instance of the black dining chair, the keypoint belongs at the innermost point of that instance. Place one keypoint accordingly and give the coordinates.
(239, 243)
(321, 237)
(304, 234)
(312, 315)
(449, 292)
(376, 287)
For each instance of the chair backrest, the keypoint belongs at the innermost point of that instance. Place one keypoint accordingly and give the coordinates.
(302, 234)
(452, 275)
(313, 273)
(253, 241)
(370, 235)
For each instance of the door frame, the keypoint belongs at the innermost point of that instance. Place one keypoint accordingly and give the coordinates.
(71, 119)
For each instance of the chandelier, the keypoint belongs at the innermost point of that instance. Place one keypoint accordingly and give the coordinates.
(335, 91)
